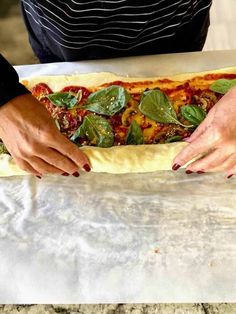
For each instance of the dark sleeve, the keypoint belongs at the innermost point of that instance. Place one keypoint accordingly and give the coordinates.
(9, 82)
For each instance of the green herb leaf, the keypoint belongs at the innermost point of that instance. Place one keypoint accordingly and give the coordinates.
(193, 114)
(172, 139)
(97, 130)
(157, 106)
(107, 101)
(78, 133)
(222, 86)
(135, 134)
(63, 100)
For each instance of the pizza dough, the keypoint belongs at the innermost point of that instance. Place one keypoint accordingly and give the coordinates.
(57, 82)
(116, 159)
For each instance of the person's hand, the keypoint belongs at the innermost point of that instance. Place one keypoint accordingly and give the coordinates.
(214, 140)
(33, 140)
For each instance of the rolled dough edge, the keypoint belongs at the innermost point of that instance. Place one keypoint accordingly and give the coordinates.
(116, 159)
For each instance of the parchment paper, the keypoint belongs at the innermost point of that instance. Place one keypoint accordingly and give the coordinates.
(100, 238)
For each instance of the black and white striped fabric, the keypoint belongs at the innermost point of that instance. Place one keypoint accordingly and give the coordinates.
(79, 29)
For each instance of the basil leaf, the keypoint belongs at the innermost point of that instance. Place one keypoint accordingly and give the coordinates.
(193, 114)
(222, 86)
(157, 106)
(135, 134)
(97, 130)
(172, 139)
(78, 133)
(107, 101)
(63, 100)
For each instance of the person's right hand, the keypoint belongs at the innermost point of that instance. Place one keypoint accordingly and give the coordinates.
(33, 140)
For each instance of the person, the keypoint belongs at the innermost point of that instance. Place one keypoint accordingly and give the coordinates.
(78, 30)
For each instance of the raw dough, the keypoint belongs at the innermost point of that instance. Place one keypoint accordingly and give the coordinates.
(116, 159)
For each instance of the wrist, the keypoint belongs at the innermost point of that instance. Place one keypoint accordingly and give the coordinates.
(11, 92)
(10, 87)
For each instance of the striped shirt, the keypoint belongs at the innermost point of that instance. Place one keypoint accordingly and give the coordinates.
(79, 29)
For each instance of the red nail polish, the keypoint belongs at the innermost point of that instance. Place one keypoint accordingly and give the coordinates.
(188, 171)
(87, 167)
(76, 174)
(38, 177)
(230, 176)
(200, 172)
(175, 167)
(65, 174)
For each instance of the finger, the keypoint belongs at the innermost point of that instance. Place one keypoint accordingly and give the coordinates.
(200, 146)
(70, 150)
(229, 165)
(202, 127)
(211, 161)
(24, 165)
(59, 161)
(43, 167)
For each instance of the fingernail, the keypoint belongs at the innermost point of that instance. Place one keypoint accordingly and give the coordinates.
(188, 171)
(175, 167)
(38, 177)
(65, 174)
(230, 176)
(75, 174)
(200, 172)
(87, 167)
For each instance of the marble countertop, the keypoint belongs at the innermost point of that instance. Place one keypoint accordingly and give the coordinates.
(196, 308)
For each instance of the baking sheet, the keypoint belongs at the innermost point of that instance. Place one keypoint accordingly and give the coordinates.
(101, 238)
(154, 65)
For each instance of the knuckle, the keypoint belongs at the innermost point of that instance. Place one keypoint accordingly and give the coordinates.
(43, 168)
(26, 149)
(61, 160)
(47, 131)
(72, 152)
(64, 163)
(209, 166)
(47, 170)
(47, 136)
(78, 155)
(218, 134)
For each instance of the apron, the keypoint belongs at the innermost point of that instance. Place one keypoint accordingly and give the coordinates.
(72, 30)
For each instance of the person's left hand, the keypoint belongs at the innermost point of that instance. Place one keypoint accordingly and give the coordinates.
(214, 140)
